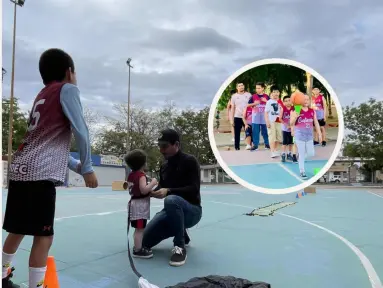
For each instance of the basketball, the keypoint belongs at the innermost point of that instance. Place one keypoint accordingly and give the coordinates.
(297, 98)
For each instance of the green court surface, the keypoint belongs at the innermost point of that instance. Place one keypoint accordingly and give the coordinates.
(329, 239)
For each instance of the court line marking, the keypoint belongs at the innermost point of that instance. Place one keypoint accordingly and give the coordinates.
(291, 173)
(279, 162)
(371, 273)
(377, 195)
(97, 214)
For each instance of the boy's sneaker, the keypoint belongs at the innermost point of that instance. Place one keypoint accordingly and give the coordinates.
(248, 147)
(254, 148)
(283, 157)
(179, 256)
(7, 283)
(324, 143)
(187, 238)
(267, 147)
(289, 157)
(316, 143)
(295, 160)
(143, 253)
(274, 154)
(303, 175)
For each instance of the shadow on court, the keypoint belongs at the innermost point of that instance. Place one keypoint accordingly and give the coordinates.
(297, 247)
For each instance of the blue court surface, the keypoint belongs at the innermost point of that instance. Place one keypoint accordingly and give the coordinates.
(329, 239)
(265, 175)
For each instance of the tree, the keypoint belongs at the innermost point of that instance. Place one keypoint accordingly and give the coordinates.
(193, 127)
(365, 140)
(286, 77)
(19, 125)
(92, 119)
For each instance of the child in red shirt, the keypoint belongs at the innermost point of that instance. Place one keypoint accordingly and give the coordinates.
(139, 204)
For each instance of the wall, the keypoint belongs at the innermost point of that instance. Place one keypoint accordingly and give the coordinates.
(105, 176)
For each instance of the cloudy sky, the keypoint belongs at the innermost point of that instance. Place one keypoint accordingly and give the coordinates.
(183, 50)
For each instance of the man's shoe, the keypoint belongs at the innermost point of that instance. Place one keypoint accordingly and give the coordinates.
(187, 238)
(179, 256)
(7, 283)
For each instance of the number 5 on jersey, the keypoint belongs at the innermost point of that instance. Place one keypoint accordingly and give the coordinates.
(35, 115)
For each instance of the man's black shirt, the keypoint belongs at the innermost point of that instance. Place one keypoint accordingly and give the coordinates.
(182, 175)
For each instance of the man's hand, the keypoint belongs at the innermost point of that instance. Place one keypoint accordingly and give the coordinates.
(247, 126)
(159, 194)
(268, 125)
(90, 180)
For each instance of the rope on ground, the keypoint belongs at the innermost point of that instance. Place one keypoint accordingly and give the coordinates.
(269, 210)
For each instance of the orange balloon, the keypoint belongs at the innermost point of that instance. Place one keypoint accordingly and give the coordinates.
(297, 98)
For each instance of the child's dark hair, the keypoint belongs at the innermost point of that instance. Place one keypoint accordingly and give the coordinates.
(286, 97)
(274, 88)
(54, 64)
(136, 159)
(261, 84)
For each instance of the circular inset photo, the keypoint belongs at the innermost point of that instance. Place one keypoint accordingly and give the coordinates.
(276, 126)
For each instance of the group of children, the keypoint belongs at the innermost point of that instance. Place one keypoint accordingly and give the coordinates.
(278, 122)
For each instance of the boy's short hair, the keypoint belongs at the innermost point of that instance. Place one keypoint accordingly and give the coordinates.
(135, 159)
(286, 97)
(274, 88)
(53, 65)
(260, 84)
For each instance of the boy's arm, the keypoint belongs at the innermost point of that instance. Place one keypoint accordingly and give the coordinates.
(72, 108)
(74, 165)
(324, 108)
(144, 187)
(316, 124)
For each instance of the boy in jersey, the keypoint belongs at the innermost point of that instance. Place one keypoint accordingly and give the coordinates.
(272, 111)
(319, 105)
(303, 133)
(287, 139)
(258, 102)
(41, 162)
(247, 114)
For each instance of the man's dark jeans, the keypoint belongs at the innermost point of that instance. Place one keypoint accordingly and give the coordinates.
(177, 215)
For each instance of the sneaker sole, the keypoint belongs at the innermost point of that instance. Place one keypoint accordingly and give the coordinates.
(143, 257)
(178, 264)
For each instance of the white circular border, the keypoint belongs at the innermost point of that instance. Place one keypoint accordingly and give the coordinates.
(329, 163)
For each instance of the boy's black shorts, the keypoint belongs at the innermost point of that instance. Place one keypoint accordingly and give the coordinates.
(321, 122)
(287, 139)
(139, 223)
(30, 208)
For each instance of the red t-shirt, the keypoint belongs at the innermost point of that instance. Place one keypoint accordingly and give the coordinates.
(134, 183)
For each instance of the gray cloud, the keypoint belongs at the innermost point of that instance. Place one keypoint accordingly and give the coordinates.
(184, 50)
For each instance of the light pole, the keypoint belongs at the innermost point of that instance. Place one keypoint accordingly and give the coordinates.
(21, 4)
(128, 128)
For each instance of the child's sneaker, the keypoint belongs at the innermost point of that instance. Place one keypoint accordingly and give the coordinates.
(295, 160)
(248, 147)
(303, 175)
(274, 154)
(324, 143)
(316, 143)
(143, 253)
(289, 157)
(7, 283)
(179, 256)
(254, 148)
(283, 157)
(267, 147)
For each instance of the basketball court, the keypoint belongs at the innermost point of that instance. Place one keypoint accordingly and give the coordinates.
(259, 169)
(328, 239)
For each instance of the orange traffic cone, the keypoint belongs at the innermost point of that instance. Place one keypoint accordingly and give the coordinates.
(51, 279)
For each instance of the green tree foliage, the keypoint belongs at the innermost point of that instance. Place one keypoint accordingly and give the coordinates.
(365, 140)
(19, 125)
(286, 77)
(145, 128)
